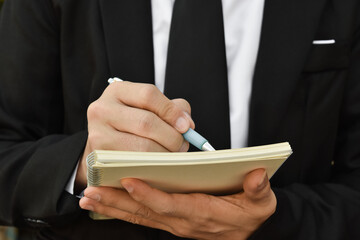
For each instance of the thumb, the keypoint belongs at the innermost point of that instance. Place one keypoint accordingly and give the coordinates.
(185, 106)
(257, 186)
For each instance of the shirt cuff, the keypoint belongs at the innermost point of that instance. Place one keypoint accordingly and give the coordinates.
(71, 183)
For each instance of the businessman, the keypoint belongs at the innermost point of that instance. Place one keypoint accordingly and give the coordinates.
(242, 74)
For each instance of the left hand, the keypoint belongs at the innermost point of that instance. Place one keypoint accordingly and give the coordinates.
(198, 216)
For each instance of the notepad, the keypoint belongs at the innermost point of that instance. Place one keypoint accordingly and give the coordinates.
(214, 172)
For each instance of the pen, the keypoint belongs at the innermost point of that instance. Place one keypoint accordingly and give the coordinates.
(191, 135)
(197, 140)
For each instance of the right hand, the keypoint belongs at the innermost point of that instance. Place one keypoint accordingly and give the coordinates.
(135, 117)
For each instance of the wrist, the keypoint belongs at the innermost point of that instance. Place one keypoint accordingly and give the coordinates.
(81, 176)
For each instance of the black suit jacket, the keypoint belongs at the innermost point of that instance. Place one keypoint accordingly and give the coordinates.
(55, 58)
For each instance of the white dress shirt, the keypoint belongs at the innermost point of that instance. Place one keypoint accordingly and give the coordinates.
(242, 23)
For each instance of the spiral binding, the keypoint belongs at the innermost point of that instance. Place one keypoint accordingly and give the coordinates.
(94, 175)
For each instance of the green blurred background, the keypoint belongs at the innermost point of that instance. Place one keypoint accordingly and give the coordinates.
(7, 233)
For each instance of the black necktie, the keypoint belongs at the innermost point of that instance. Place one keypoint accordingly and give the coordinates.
(196, 67)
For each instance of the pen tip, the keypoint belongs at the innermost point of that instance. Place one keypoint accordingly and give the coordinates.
(207, 147)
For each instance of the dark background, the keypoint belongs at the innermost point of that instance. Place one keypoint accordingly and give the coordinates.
(7, 233)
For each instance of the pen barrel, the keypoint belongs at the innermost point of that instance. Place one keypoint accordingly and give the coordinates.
(194, 138)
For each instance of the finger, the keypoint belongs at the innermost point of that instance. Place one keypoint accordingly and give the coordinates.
(195, 212)
(103, 113)
(119, 199)
(147, 96)
(107, 138)
(148, 125)
(103, 199)
(112, 212)
(257, 186)
(185, 106)
(158, 201)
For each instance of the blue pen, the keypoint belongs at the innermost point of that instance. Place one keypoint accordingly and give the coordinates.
(197, 140)
(191, 135)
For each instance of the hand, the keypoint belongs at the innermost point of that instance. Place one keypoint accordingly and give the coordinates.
(135, 117)
(198, 216)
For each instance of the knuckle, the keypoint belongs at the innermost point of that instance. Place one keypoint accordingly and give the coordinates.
(205, 219)
(169, 111)
(167, 211)
(147, 93)
(95, 110)
(185, 104)
(132, 219)
(143, 212)
(114, 86)
(169, 208)
(146, 122)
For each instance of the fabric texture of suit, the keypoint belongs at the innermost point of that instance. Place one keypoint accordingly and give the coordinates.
(55, 58)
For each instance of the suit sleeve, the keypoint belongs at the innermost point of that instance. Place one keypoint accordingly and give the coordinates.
(329, 210)
(37, 156)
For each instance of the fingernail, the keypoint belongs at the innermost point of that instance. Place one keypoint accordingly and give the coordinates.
(263, 181)
(95, 197)
(184, 147)
(181, 124)
(128, 187)
(189, 118)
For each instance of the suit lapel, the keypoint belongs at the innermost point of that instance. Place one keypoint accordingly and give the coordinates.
(128, 38)
(287, 33)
